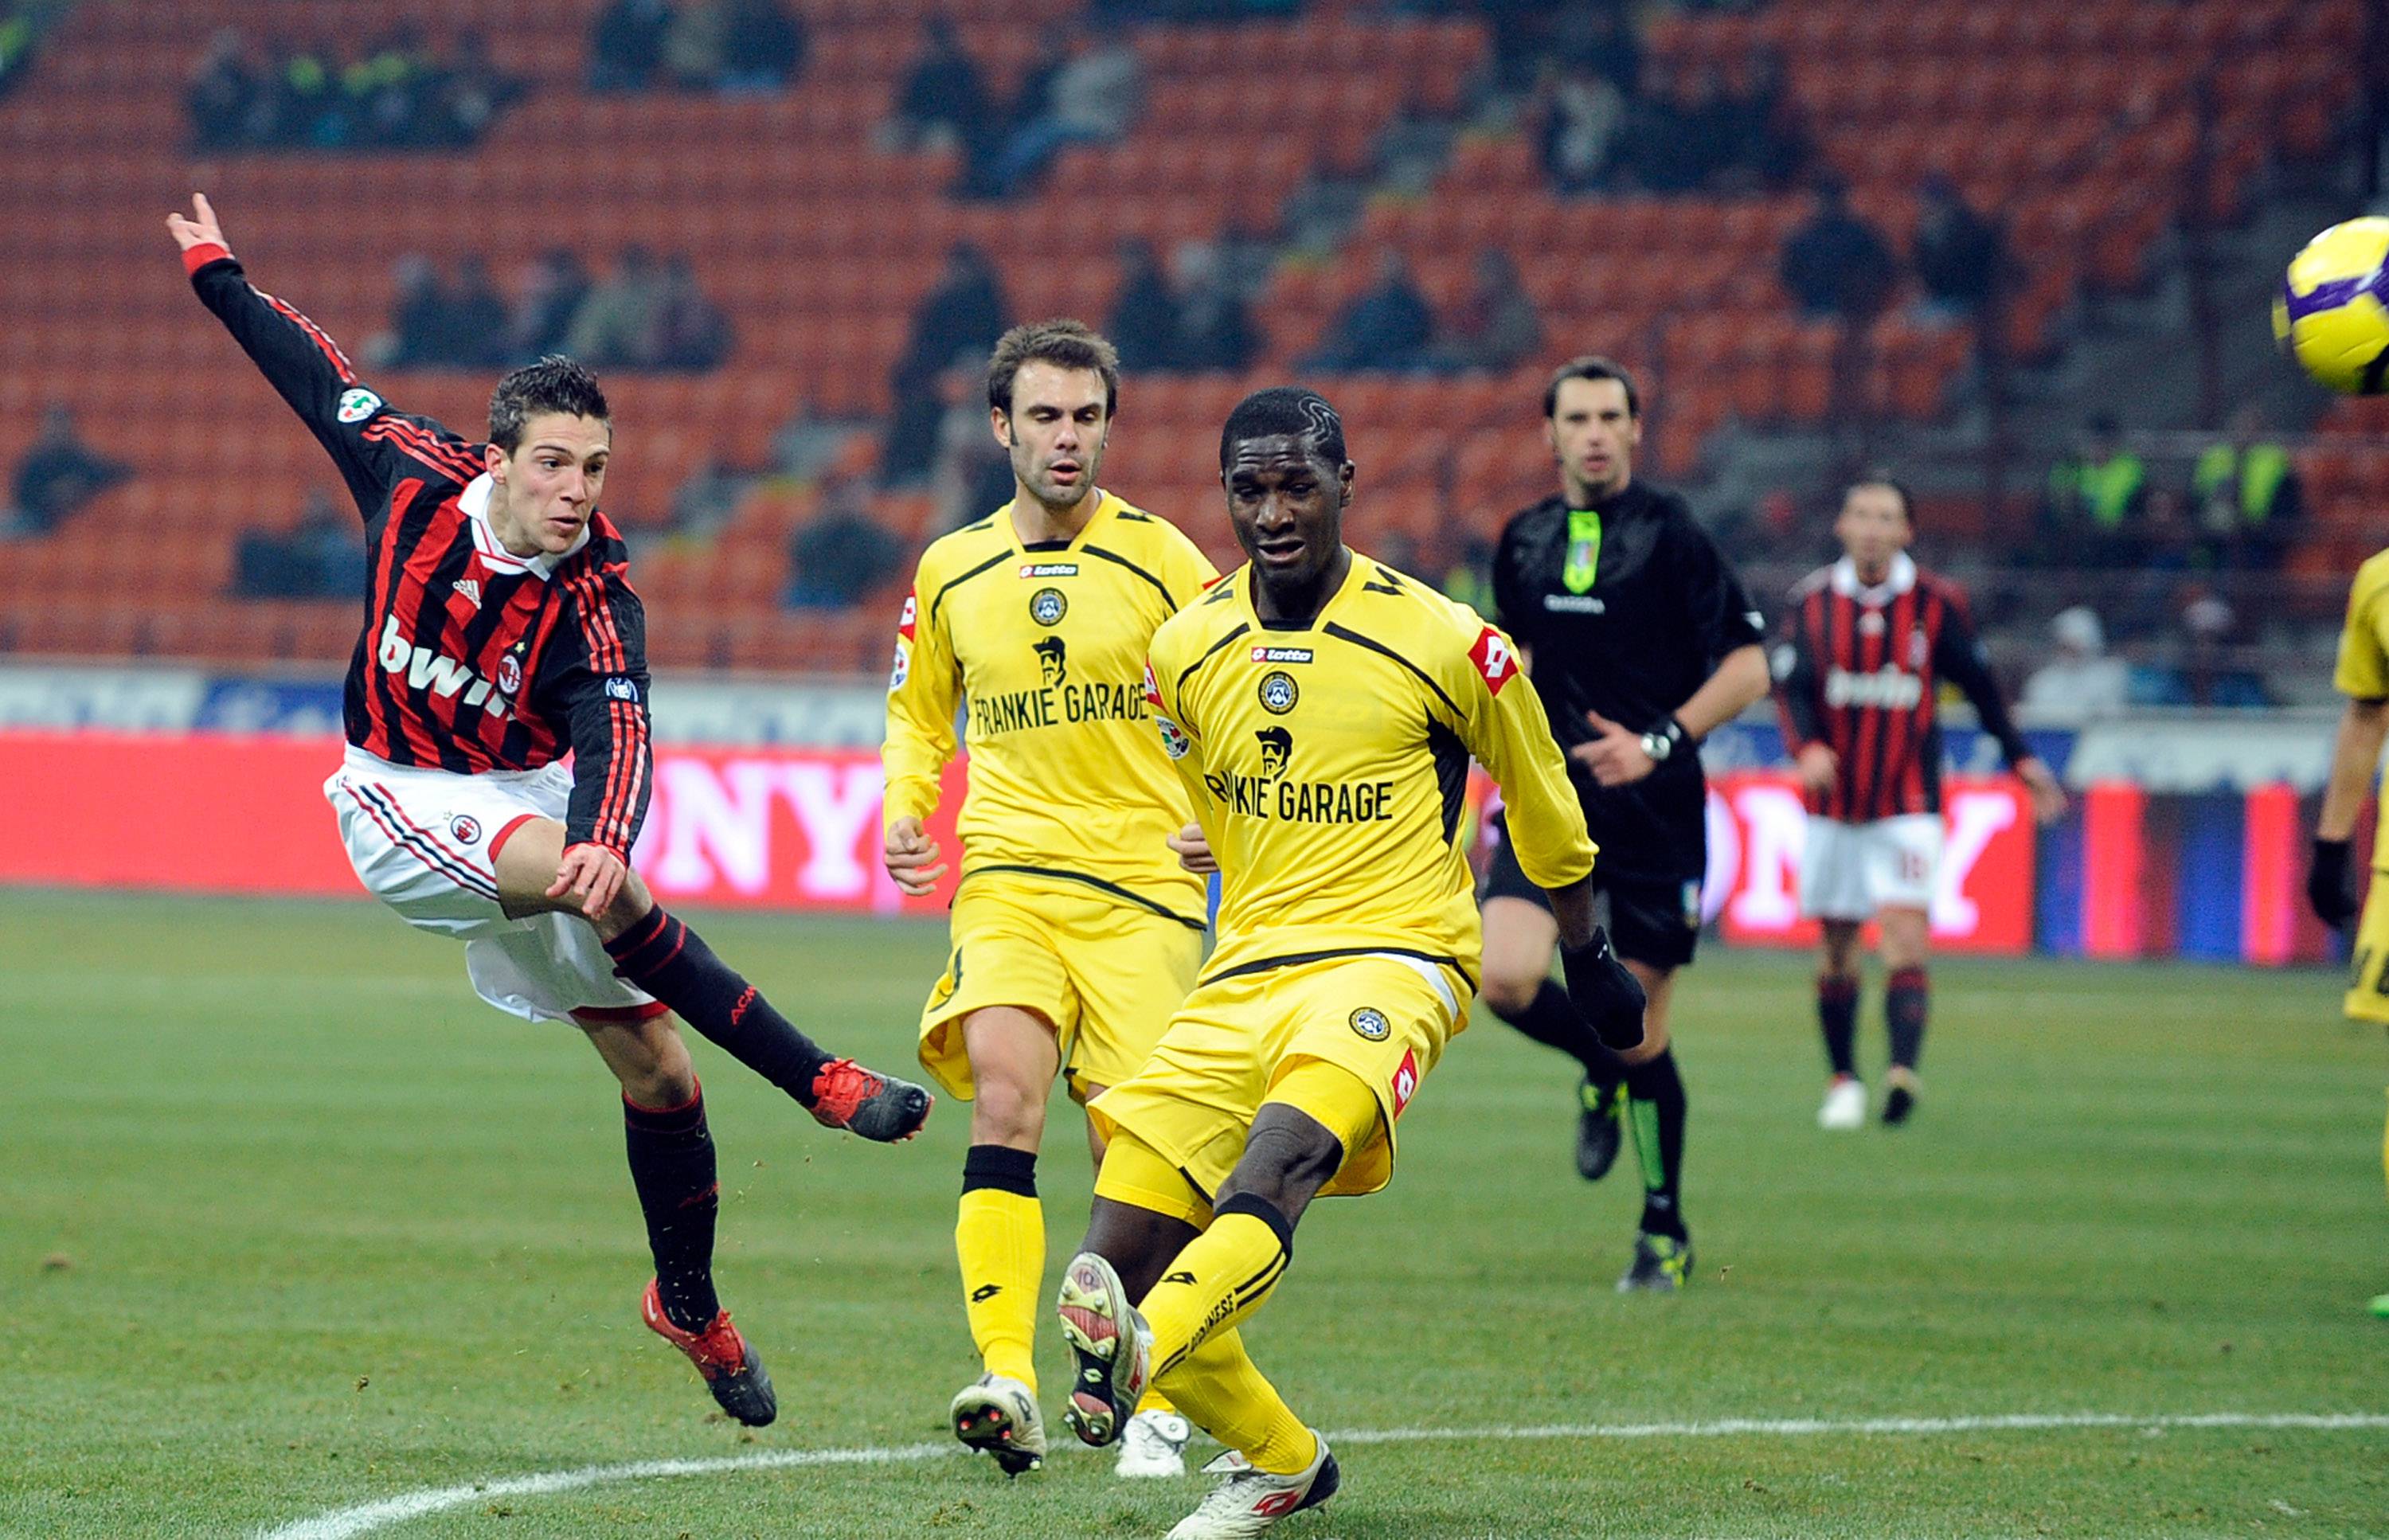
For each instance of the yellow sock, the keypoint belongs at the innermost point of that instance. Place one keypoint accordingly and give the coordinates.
(1220, 1277)
(1154, 1401)
(1219, 1388)
(1001, 1240)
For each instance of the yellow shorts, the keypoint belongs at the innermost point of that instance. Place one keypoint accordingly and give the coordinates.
(2365, 1000)
(1382, 1018)
(1106, 974)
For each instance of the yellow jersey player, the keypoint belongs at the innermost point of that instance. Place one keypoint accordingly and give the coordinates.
(1323, 709)
(1075, 931)
(2363, 678)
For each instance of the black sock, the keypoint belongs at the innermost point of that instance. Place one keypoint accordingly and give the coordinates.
(1002, 1167)
(1550, 1020)
(670, 961)
(1837, 1013)
(672, 1164)
(1655, 1106)
(1907, 999)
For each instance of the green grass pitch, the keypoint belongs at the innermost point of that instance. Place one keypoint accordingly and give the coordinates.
(291, 1224)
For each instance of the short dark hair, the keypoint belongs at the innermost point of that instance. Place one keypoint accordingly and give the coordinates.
(553, 384)
(1284, 409)
(1591, 366)
(1062, 342)
(1879, 476)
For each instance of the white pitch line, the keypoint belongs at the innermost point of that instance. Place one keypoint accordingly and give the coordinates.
(341, 1524)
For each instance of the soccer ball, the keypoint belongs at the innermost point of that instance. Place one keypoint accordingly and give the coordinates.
(2332, 314)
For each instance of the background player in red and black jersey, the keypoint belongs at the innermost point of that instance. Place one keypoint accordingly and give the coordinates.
(1868, 643)
(501, 634)
(1641, 641)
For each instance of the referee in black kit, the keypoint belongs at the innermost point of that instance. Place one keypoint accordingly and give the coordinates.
(1641, 641)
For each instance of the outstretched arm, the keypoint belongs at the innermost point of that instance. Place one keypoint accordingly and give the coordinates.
(365, 438)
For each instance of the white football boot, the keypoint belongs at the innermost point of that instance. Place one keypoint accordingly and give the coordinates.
(1153, 1445)
(999, 1413)
(1844, 1105)
(1246, 1502)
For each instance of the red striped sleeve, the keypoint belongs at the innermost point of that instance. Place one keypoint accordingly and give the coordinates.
(1839, 656)
(420, 443)
(1900, 729)
(625, 772)
(315, 334)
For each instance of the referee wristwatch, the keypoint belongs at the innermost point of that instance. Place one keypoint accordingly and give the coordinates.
(1661, 741)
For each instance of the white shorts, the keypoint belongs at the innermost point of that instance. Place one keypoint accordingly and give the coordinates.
(425, 842)
(1849, 870)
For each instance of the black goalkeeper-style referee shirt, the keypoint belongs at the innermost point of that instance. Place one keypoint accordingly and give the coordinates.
(472, 659)
(1626, 609)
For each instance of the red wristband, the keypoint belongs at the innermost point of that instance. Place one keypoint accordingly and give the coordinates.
(201, 255)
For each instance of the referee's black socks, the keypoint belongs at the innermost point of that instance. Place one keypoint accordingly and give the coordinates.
(670, 961)
(1654, 1094)
(1551, 1020)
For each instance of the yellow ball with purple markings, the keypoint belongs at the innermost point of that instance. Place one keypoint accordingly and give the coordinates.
(2333, 313)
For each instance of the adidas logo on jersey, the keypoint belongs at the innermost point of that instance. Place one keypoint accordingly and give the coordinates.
(470, 589)
(426, 670)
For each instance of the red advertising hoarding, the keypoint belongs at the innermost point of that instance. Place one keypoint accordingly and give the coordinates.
(1982, 900)
(767, 828)
(791, 829)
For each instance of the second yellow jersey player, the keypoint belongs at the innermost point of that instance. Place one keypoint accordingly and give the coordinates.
(2363, 677)
(1075, 931)
(1070, 901)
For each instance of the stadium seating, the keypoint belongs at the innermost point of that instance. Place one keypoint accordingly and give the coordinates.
(2075, 118)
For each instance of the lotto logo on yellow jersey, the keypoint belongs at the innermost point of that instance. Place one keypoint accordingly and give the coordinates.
(1494, 659)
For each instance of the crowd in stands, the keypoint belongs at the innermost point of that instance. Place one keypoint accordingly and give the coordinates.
(59, 474)
(1606, 118)
(1391, 327)
(1839, 264)
(1190, 318)
(957, 323)
(2240, 510)
(646, 314)
(1088, 92)
(2170, 560)
(728, 46)
(321, 557)
(393, 93)
(842, 554)
(2194, 656)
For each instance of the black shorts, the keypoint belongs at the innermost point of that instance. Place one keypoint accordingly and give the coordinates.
(1651, 921)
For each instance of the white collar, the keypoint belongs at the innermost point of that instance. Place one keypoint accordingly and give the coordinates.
(1901, 578)
(474, 502)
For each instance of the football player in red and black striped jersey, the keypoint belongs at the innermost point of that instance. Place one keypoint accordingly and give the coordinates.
(502, 634)
(1866, 645)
